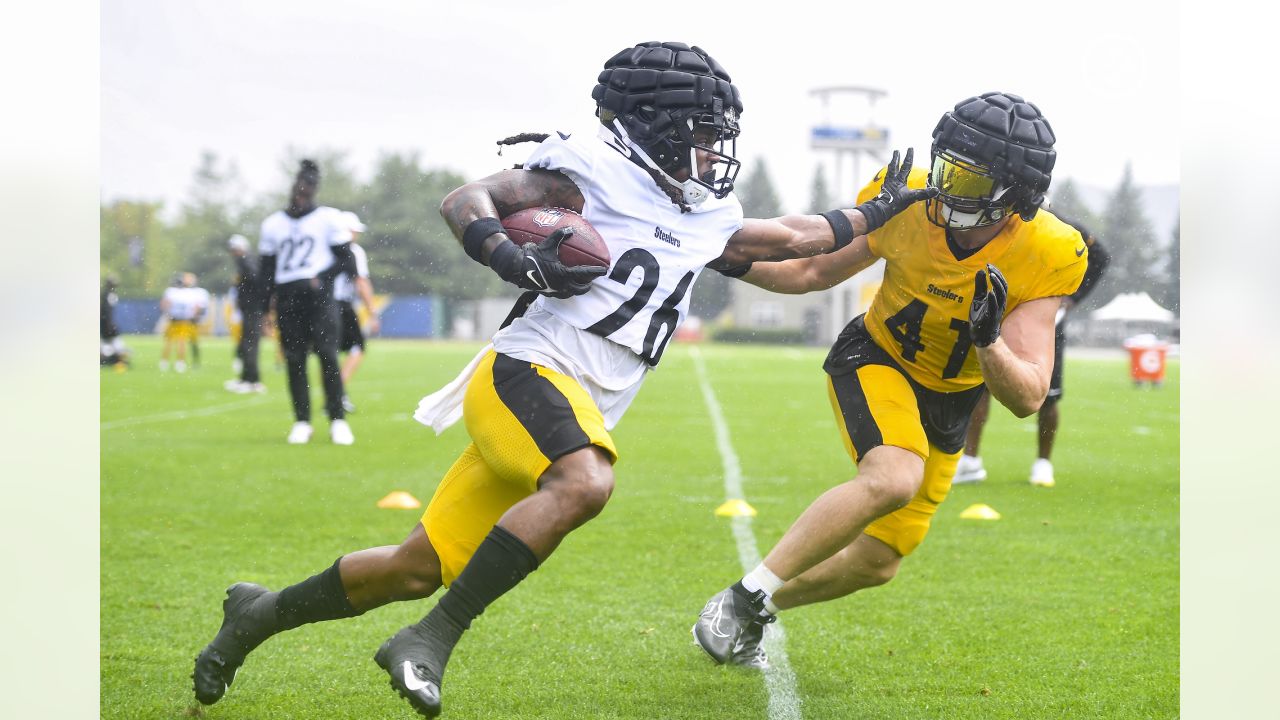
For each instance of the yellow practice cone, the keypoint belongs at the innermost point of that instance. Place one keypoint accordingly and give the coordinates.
(735, 508)
(399, 500)
(978, 511)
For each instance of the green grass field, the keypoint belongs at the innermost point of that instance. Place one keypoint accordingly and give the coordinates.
(1065, 608)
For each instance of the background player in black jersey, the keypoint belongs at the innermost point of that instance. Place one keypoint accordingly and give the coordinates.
(540, 462)
(251, 302)
(970, 469)
(302, 249)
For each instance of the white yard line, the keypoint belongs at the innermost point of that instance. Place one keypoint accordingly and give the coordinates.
(779, 679)
(179, 414)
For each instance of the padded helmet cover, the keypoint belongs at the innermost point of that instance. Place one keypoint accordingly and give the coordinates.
(1006, 134)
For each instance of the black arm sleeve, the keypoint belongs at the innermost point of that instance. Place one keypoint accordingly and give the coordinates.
(1099, 258)
(266, 278)
(344, 261)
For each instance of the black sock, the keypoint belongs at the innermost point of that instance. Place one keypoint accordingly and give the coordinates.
(319, 597)
(499, 564)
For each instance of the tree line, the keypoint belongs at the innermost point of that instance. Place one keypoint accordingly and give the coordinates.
(412, 250)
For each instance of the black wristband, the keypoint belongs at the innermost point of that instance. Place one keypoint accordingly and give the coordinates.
(476, 233)
(841, 226)
(505, 260)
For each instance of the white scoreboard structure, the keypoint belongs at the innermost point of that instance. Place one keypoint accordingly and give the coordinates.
(847, 128)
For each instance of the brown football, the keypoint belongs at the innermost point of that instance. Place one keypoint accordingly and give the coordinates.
(583, 247)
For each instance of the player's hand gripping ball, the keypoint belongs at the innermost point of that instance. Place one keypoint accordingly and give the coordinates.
(569, 253)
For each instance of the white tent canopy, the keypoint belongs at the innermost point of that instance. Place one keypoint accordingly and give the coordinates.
(1134, 307)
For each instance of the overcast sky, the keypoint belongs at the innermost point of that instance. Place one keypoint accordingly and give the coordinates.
(249, 79)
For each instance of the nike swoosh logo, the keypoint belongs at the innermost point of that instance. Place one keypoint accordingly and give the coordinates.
(411, 681)
(1080, 252)
(534, 279)
(715, 614)
(879, 175)
(562, 135)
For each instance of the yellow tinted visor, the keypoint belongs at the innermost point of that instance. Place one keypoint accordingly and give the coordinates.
(958, 179)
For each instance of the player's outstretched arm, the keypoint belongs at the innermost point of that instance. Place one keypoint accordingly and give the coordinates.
(803, 236)
(1016, 353)
(815, 273)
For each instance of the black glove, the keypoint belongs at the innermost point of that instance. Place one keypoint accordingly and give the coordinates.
(894, 195)
(987, 308)
(537, 267)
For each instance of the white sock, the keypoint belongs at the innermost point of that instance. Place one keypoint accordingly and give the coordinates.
(769, 607)
(762, 578)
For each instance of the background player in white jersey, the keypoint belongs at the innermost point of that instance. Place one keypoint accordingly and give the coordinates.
(302, 249)
(539, 404)
(346, 288)
(183, 304)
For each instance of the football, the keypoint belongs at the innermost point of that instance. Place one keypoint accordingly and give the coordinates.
(583, 247)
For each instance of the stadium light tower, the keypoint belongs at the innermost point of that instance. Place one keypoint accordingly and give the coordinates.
(851, 132)
(847, 128)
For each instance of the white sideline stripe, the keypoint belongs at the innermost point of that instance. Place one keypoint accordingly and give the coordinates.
(779, 679)
(179, 414)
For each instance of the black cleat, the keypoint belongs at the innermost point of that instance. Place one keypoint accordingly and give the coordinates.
(412, 660)
(726, 618)
(242, 630)
(749, 651)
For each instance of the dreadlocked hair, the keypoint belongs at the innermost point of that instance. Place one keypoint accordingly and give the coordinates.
(674, 194)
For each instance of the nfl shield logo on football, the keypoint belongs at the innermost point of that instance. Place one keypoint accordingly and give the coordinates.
(547, 217)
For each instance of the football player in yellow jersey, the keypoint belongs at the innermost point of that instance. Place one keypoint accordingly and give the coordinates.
(972, 281)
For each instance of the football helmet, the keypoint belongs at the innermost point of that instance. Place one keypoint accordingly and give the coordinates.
(992, 155)
(666, 101)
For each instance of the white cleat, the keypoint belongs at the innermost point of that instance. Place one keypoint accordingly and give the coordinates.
(256, 388)
(1042, 473)
(300, 433)
(969, 470)
(340, 433)
(180, 366)
(238, 387)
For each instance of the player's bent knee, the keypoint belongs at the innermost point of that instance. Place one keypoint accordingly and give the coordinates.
(893, 476)
(583, 480)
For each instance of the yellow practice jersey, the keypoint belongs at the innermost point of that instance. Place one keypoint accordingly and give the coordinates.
(920, 315)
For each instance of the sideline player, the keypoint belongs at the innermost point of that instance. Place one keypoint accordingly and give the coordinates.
(346, 288)
(301, 250)
(250, 302)
(539, 404)
(970, 469)
(904, 377)
(184, 304)
(111, 349)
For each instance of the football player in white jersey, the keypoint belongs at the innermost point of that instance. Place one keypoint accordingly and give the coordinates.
(302, 249)
(655, 178)
(184, 305)
(346, 289)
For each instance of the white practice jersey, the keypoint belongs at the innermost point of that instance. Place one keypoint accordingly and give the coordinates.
(186, 303)
(608, 338)
(344, 286)
(301, 245)
(657, 252)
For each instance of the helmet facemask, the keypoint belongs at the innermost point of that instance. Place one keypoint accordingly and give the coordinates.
(969, 194)
(713, 133)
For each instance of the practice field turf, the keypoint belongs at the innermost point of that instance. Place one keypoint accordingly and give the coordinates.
(1067, 607)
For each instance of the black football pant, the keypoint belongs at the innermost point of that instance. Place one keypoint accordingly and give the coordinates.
(308, 320)
(247, 350)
